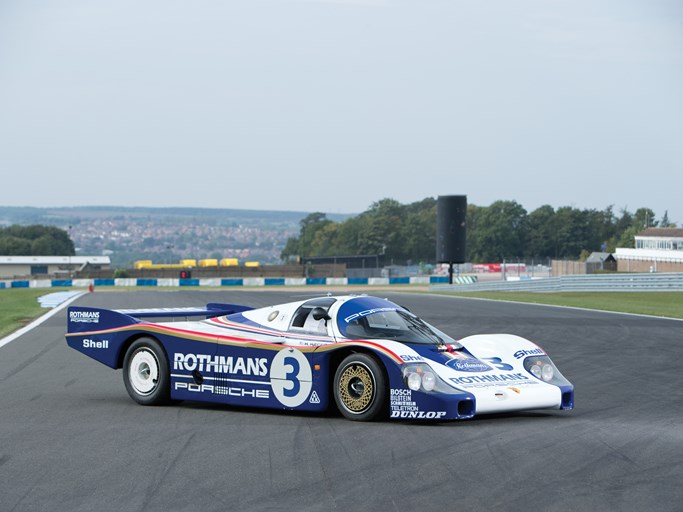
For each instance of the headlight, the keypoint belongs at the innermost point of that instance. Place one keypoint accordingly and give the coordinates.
(414, 381)
(536, 371)
(420, 377)
(428, 381)
(543, 369)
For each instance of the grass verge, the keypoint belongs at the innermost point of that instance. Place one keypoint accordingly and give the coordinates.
(667, 304)
(18, 307)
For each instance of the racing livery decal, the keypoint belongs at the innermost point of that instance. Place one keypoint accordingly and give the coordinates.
(518, 379)
(468, 364)
(86, 317)
(403, 406)
(291, 377)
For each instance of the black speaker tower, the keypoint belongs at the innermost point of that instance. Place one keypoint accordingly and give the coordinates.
(451, 231)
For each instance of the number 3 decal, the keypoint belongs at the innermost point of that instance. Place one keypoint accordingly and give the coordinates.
(498, 363)
(290, 377)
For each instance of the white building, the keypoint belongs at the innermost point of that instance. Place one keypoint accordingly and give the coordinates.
(37, 266)
(657, 250)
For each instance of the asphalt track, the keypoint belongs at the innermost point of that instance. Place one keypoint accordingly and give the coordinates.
(72, 440)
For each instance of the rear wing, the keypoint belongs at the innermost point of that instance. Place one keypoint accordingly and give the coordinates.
(84, 319)
(211, 310)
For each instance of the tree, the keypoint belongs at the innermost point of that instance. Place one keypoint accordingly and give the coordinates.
(379, 230)
(35, 240)
(473, 243)
(14, 246)
(628, 238)
(501, 231)
(324, 240)
(419, 232)
(644, 218)
(44, 245)
(577, 230)
(665, 222)
(303, 245)
(540, 226)
(348, 235)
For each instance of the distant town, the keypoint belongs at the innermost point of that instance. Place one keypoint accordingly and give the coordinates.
(167, 235)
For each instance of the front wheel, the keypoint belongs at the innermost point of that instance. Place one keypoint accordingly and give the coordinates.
(360, 389)
(146, 372)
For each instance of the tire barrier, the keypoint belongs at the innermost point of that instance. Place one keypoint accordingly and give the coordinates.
(225, 282)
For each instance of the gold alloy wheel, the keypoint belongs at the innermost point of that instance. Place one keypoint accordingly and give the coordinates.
(356, 387)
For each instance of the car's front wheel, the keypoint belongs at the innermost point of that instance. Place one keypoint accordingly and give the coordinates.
(146, 372)
(360, 389)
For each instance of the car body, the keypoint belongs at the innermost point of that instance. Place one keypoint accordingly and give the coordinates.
(367, 355)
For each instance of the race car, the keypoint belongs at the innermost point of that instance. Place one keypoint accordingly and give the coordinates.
(368, 356)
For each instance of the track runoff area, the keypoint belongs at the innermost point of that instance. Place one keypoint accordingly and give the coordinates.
(74, 440)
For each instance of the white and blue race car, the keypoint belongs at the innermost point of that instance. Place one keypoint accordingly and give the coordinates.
(370, 357)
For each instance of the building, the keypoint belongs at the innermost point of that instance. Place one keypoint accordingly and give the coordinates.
(600, 262)
(355, 266)
(44, 266)
(657, 250)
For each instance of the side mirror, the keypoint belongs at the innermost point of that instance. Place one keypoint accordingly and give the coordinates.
(319, 313)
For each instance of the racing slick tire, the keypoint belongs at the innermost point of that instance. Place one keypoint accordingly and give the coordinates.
(146, 372)
(360, 389)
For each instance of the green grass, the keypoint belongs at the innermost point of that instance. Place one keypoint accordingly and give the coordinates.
(668, 304)
(18, 306)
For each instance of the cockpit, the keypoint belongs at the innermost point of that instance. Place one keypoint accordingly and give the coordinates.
(312, 316)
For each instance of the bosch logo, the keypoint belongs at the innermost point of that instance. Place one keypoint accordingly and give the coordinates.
(403, 392)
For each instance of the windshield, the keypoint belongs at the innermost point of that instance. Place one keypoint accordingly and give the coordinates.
(396, 325)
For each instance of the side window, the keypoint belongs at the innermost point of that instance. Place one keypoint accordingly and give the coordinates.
(300, 316)
(303, 319)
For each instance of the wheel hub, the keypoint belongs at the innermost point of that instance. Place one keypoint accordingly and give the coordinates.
(144, 372)
(356, 388)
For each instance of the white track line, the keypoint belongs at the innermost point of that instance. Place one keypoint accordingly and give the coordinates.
(4, 341)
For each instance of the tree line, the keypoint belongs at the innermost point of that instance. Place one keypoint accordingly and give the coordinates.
(406, 234)
(35, 240)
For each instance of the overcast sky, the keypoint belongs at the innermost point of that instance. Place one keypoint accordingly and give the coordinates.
(331, 105)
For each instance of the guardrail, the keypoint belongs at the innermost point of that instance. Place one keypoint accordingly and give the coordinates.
(654, 282)
(577, 283)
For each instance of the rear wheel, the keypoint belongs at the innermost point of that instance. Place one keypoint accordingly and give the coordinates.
(360, 388)
(146, 372)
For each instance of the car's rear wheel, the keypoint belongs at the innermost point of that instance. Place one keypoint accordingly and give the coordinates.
(360, 388)
(146, 372)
